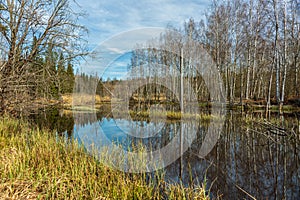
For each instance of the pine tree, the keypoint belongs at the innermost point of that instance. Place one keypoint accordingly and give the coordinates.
(70, 78)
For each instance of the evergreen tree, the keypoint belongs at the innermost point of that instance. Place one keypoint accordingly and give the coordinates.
(70, 78)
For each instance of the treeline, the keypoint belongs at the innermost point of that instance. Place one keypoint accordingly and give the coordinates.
(255, 45)
(93, 84)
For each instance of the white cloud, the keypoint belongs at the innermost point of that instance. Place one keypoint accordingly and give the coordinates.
(116, 50)
(109, 19)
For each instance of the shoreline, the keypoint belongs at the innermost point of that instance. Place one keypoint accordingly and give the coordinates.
(36, 164)
(95, 103)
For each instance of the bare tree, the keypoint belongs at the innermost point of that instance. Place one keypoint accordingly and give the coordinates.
(27, 29)
(255, 45)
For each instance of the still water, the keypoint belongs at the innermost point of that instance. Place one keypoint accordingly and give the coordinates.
(252, 157)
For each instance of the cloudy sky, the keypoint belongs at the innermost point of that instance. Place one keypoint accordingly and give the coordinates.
(107, 19)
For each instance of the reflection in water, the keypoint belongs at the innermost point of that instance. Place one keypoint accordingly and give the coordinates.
(54, 119)
(251, 156)
(161, 148)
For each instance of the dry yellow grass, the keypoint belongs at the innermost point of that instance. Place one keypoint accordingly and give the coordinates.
(83, 99)
(36, 164)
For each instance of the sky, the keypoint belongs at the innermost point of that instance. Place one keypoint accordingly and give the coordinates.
(116, 20)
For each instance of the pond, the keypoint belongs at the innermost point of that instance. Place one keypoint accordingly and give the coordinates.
(252, 157)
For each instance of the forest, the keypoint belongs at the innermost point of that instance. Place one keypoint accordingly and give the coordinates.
(254, 44)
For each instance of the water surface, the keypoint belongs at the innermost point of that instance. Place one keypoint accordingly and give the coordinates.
(253, 156)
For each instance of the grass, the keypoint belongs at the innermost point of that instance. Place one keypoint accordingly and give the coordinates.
(83, 99)
(174, 115)
(36, 164)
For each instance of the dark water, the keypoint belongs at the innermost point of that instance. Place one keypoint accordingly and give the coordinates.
(251, 157)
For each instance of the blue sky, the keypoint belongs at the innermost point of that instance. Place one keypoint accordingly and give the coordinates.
(108, 18)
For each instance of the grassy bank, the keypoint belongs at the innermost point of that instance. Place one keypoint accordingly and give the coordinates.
(173, 115)
(35, 164)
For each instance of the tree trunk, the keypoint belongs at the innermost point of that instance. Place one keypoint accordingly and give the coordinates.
(284, 60)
